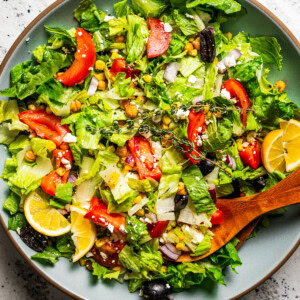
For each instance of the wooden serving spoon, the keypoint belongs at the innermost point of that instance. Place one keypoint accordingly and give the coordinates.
(240, 212)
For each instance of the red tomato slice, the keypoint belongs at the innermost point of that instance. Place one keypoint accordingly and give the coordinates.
(217, 217)
(85, 58)
(250, 155)
(236, 90)
(159, 40)
(158, 229)
(119, 65)
(50, 182)
(45, 125)
(98, 214)
(142, 153)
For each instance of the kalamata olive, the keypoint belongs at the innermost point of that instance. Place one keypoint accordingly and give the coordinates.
(236, 191)
(211, 155)
(158, 289)
(33, 239)
(205, 167)
(180, 202)
(207, 45)
(260, 182)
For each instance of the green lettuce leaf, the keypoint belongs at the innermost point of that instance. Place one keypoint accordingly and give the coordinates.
(48, 256)
(228, 6)
(17, 221)
(273, 179)
(121, 86)
(137, 232)
(149, 8)
(42, 147)
(11, 204)
(60, 37)
(121, 8)
(203, 247)
(117, 26)
(64, 192)
(102, 272)
(188, 26)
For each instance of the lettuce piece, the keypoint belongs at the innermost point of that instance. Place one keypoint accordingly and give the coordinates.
(121, 86)
(52, 88)
(16, 222)
(129, 259)
(10, 168)
(151, 259)
(189, 64)
(121, 8)
(123, 136)
(56, 203)
(18, 144)
(42, 147)
(113, 205)
(136, 37)
(60, 37)
(11, 204)
(102, 272)
(117, 26)
(88, 15)
(38, 53)
(228, 6)
(249, 174)
(203, 247)
(224, 190)
(64, 192)
(197, 189)
(48, 256)
(137, 232)
(149, 8)
(6, 134)
(210, 77)
(101, 43)
(269, 49)
(273, 179)
(188, 26)
(65, 245)
(177, 44)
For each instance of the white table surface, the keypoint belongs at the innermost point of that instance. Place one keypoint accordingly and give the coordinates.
(17, 279)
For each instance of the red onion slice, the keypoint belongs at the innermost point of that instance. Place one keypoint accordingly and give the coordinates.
(231, 162)
(212, 191)
(72, 178)
(168, 253)
(93, 86)
(225, 63)
(171, 72)
(211, 29)
(129, 160)
(173, 249)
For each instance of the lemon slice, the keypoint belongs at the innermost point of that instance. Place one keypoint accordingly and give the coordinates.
(44, 218)
(280, 148)
(83, 230)
(272, 151)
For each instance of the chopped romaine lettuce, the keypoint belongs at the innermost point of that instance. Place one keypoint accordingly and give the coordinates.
(149, 8)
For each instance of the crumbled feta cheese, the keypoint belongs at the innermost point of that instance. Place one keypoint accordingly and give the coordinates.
(197, 178)
(66, 50)
(68, 167)
(122, 228)
(110, 228)
(65, 161)
(245, 144)
(27, 40)
(189, 16)
(89, 254)
(168, 27)
(60, 154)
(80, 33)
(221, 67)
(198, 141)
(114, 50)
(230, 61)
(104, 256)
(199, 129)
(204, 136)
(181, 114)
(157, 150)
(91, 68)
(192, 79)
(108, 18)
(69, 138)
(225, 94)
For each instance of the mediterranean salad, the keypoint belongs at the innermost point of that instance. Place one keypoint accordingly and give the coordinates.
(124, 131)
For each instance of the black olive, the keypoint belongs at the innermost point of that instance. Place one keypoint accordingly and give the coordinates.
(180, 202)
(236, 191)
(205, 167)
(33, 239)
(260, 182)
(158, 289)
(211, 155)
(207, 45)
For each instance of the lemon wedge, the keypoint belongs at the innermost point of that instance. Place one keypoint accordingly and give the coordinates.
(280, 148)
(44, 218)
(83, 230)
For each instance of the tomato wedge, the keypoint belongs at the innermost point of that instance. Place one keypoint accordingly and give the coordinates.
(98, 214)
(85, 58)
(158, 229)
(119, 65)
(236, 90)
(250, 155)
(217, 218)
(196, 125)
(50, 182)
(45, 125)
(59, 154)
(142, 153)
(159, 40)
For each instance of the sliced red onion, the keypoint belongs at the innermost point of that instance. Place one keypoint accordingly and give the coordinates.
(168, 253)
(171, 71)
(72, 178)
(151, 216)
(211, 29)
(173, 249)
(230, 162)
(129, 160)
(212, 191)
(197, 100)
(93, 86)
(226, 62)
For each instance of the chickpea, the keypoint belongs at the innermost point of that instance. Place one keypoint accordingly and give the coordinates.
(48, 110)
(131, 110)
(166, 141)
(148, 78)
(64, 146)
(101, 85)
(31, 107)
(119, 39)
(193, 52)
(61, 171)
(280, 85)
(122, 151)
(124, 103)
(188, 47)
(30, 156)
(196, 43)
(75, 106)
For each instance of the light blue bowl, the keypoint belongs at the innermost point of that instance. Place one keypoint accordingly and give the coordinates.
(261, 256)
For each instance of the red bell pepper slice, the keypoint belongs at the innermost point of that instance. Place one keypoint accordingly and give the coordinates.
(159, 40)
(142, 153)
(119, 65)
(236, 90)
(250, 155)
(98, 214)
(158, 229)
(50, 182)
(196, 121)
(45, 125)
(59, 154)
(85, 58)
(217, 218)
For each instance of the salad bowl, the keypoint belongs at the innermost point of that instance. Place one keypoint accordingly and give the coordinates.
(259, 262)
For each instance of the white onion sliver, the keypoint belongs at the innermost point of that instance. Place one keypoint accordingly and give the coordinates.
(197, 100)
(171, 71)
(93, 86)
(138, 206)
(231, 162)
(173, 249)
(168, 253)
